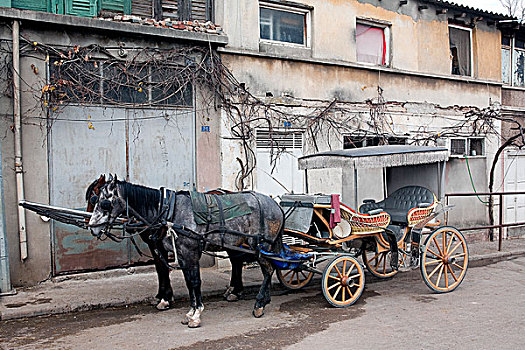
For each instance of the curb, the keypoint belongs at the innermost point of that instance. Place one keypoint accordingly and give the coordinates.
(250, 287)
(492, 258)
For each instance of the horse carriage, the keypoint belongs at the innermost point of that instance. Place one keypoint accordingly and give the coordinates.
(386, 234)
(297, 235)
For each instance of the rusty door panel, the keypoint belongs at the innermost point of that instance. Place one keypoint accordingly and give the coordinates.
(78, 250)
(80, 152)
(88, 141)
(160, 149)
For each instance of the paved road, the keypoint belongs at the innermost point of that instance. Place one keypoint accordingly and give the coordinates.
(486, 312)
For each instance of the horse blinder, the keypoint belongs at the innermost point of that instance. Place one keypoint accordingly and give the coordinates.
(105, 205)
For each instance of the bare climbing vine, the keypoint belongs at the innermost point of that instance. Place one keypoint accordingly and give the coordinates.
(146, 77)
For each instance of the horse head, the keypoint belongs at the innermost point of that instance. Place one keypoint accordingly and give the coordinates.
(109, 205)
(93, 192)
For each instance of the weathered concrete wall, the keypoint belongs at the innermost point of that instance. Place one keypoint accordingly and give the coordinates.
(419, 38)
(38, 266)
(468, 211)
(512, 97)
(208, 144)
(315, 80)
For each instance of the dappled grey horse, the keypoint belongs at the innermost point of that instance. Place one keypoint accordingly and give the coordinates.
(160, 255)
(175, 224)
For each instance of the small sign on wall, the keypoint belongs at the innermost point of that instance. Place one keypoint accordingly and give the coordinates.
(205, 128)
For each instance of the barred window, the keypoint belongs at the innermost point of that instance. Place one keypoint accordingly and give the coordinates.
(108, 83)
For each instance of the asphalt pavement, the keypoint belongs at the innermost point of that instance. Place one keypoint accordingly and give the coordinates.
(138, 285)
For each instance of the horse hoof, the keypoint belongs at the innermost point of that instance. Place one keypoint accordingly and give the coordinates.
(194, 323)
(258, 312)
(228, 292)
(163, 305)
(232, 297)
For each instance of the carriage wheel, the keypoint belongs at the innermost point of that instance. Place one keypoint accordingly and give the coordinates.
(343, 281)
(444, 260)
(294, 279)
(378, 264)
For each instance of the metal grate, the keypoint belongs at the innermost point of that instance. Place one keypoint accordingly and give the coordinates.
(283, 139)
(458, 147)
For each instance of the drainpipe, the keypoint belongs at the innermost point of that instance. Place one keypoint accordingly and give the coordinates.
(19, 170)
(5, 278)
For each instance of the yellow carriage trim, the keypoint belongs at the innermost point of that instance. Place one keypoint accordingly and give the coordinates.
(417, 215)
(365, 223)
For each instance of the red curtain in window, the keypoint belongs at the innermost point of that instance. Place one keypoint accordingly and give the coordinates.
(371, 44)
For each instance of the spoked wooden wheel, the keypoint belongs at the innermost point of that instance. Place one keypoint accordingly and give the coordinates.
(294, 279)
(378, 264)
(343, 281)
(444, 260)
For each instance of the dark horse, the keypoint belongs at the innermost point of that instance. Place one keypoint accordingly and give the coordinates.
(262, 229)
(160, 255)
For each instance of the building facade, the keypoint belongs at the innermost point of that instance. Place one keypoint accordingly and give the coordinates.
(82, 96)
(202, 94)
(337, 74)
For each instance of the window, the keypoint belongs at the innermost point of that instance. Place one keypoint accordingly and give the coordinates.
(513, 61)
(460, 40)
(284, 24)
(358, 141)
(372, 43)
(506, 59)
(109, 83)
(463, 146)
(185, 10)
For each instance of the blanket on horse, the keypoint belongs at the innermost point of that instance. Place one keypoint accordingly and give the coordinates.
(212, 208)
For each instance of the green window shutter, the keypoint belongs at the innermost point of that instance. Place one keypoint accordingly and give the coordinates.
(123, 6)
(36, 5)
(83, 8)
(5, 3)
(57, 6)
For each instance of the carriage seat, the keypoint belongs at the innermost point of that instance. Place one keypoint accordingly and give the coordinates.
(407, 206)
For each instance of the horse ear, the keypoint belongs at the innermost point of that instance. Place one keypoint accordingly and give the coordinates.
(115, 178)
(110, 178)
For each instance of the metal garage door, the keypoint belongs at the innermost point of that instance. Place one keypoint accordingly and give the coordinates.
(155, 147)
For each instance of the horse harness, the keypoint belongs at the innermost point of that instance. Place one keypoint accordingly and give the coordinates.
(165, 219)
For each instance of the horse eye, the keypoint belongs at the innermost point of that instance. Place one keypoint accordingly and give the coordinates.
(93, 200)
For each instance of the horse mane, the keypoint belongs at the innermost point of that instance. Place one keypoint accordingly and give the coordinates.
(141, 198)
(90, 189)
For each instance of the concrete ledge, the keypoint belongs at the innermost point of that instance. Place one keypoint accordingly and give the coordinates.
(111, 26)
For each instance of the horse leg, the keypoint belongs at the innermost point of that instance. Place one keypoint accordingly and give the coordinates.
(165, 293)
(234, 291)
(263, 297)
(193, 282)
